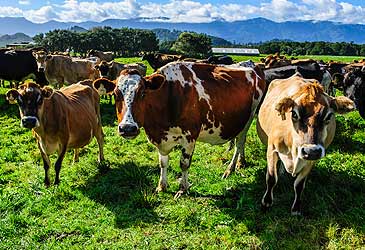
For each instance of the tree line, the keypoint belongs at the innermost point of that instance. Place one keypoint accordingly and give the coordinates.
(309, 48)
(123, 42)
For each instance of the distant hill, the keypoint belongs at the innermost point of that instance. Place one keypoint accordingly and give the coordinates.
(16, 38)
(251, 30)
(172, 35)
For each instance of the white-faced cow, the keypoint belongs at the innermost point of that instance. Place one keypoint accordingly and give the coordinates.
(64, 69)
(297, 123)
(185, 102)
(60, 120)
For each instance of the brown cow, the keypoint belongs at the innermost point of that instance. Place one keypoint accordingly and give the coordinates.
(68, 118)
(104, 56)
(184, 102)
(60, 69)
(296, 121)
(157, 60)
(111, 70)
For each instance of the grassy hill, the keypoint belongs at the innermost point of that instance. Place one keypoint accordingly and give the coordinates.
(118, 209)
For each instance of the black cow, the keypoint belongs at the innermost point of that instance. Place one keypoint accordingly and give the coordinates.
(311, 70)
(227, 60)
(353, 86)
(19, 65)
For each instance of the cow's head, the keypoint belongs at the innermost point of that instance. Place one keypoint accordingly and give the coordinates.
(30, 97)
(311, 112)
(129, 90)
(41, 57)
(354, 88)
(104, 68)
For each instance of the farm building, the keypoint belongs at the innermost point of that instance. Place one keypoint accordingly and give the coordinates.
(236, 51)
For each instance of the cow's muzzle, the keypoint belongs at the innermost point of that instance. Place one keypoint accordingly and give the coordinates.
(41, 69)
(128, 131)
(29, 122)
(311, 152)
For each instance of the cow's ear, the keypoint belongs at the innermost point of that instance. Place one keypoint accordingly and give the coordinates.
(342, 104)
(284, 106)
(47, 91)
(337, 80)
(154, 81)
(104, 86)
(12, 96)
(34, 53)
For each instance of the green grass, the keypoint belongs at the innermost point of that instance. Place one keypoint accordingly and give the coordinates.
(118, 209)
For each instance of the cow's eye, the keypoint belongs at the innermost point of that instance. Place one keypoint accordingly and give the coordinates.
(327, 119)
(294, 116)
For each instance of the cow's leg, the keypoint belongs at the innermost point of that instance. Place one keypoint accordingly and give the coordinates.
(100, 139)
(164, 163)
(271, 177)
(238, 159)
(58, 164)
(76, 155)
(299, 185)
(46, 164)
(185, 161)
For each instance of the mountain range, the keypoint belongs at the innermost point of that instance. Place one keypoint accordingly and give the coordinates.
(247, 31)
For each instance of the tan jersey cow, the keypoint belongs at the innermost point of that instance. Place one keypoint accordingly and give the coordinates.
(64, 69)
(64, 119)
(297, 123)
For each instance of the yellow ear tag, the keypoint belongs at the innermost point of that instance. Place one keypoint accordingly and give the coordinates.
(11, 99)
(101, 90)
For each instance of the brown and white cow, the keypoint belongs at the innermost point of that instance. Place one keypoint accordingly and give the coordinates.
(185, 102)
(64, 119)
(64, 69)
(297, 123)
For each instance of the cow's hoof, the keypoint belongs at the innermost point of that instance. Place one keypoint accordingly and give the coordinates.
(226, 174)
(296, 213)
(265, 205)
(161, 188)
(179, 194)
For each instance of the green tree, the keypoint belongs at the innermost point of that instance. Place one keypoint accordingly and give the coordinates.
(193, 44)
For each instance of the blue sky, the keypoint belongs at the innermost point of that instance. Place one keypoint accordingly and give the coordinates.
(346, 11)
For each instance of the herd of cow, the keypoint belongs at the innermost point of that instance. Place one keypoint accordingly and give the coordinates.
(184, 101)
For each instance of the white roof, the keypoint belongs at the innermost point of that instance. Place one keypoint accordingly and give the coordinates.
(235, 51)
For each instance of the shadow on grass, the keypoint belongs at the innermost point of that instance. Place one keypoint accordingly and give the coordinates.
(330, 199)
(108, 114)
(127, 191)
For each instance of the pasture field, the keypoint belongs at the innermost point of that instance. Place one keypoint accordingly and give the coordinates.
(117, 208)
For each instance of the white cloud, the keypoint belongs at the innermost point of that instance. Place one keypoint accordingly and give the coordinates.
(10, 11)
(194, 11)
(24, 2)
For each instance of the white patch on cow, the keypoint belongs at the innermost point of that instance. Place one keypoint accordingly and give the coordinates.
(214, 137)
(172, 72)
(326, 81)
(37, 124)
(128, 86)
(173, 137)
